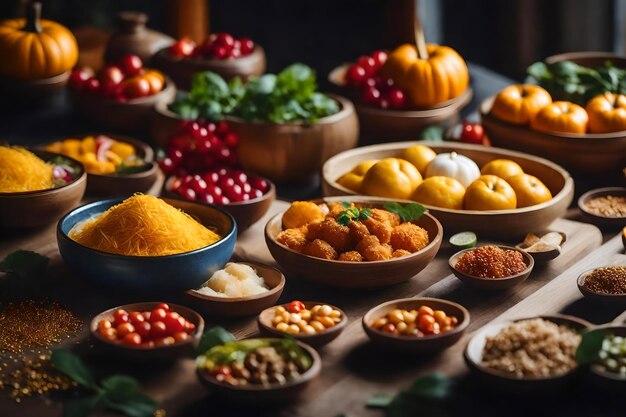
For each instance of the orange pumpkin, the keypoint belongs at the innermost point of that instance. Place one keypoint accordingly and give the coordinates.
(427, 82)
(520, 103)
(35, 48)
(607, 113)
(561, 116)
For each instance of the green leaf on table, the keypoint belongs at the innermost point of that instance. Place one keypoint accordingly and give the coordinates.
(118, 387)
(73, 366)
(215, 336)
(135, 404)
(81, 407)
(426, 396)
(379, 400)
(590, 346)
(24, 264)
(407, 212)
(435, 386)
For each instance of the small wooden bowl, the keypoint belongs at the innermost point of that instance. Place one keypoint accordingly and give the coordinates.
(474, 352)
(40, 208)
(424, 344)
(608, 381)
(608, 299)
(246, 213)
(543, 256)
(354, 275)
(242, 306)
(37, 89)
(133, 115)
(385, 125)
(255, 394)
(264, 321)
(182, 70)
(143, 354)
(514, 223)
(598, 220)
(493, 283)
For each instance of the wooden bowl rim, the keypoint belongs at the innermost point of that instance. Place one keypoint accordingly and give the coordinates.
(257, 54)
(600, 192)
(231, 233)
(365, 200)
(182, 310)
(571, 56)
(168, 87)
(392, 146)
(337, 328)
(80, 177)
(308, 375)
(572, 321)
(592, 139)
(547, 254)
(460, 328)
(580, 281)
(55, 79)
(530, 263)
(594, 368)
(226, 300)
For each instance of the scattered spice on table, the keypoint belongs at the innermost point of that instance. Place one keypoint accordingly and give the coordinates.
(491, 262)
(607, 206)
(610, 280)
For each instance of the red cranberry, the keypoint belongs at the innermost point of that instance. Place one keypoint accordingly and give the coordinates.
(198, 185)
(167, 165)
(255, 193)
(234, 193)
(225, 39)
(371, 95)
(214, 190)
(204, 146)
(226, 182)
(379, 57)
(247, 46)
(222, 200)
(206, 198)
(245, 197)
(231, 140)
(222, 128)
(131, 65)
(247, 188)
(186, 192)
(355, 75)
(221, 52)
(396, 97)
(224, 153)
(235, 53)
(210, 127)
(211, 177)
(384, 103)
(181, 142)
(79, 77)
(175, 155)
(240, 177)
(208, 161)
(367, 63)
(259, 183)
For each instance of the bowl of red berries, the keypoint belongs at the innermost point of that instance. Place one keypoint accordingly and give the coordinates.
(221, 53)
(122, 94)
(147, 331)
(201, 165)
(388, 104)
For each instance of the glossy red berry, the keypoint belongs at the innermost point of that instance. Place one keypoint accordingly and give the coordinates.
(368, 64)
(396, 98)
(371, 96)
(225, 39)
(355, 75)
(379, 57)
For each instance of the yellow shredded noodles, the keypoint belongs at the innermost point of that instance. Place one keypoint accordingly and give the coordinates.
(21, 170)
(143, 225)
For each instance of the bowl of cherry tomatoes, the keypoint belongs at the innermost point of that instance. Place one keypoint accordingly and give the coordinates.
(221, 53)
(384, 111)
(147, 331)
(122, 94)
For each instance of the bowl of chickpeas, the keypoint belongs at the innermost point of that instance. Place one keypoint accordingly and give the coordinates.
(311, 322)
(416, 325)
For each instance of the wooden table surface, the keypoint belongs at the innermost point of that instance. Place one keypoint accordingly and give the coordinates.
(353, 370)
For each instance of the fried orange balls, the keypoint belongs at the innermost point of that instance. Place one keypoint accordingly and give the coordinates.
(336, 235)
(320, 249)
(293, 238)
(301, 213)
(409, 237)
(351, 256)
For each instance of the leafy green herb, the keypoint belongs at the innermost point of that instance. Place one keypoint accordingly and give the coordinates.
(116, 392)
(210, 98)
(407, 212)
(590, 346)
(566, 80)
(352, 213)
(215, 336)
(24, 264)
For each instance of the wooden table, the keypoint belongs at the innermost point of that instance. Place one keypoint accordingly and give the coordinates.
(353, 370)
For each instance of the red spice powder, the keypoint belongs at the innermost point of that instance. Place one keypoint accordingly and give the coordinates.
(491, 262)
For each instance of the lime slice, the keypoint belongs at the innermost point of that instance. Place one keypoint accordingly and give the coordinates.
(464, 240)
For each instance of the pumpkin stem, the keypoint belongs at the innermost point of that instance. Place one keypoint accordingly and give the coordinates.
(418, 29)
(33, 17)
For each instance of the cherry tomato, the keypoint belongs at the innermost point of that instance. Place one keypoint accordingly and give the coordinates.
(165, 341)
(124, 328)
(132, 339)
(164, 306)
(181, 336)
(367, 63)
(371, 95)
(182, 48)
(79, 77)
(135, 88)
(111, 73)
(158, 330)
(174, 323)
(143, 328)
(92, 86)
(472, 133)
(295, 306)
(225, 39)
(109, 334)
(389, 328)
(379, 57)
(146, 314)
(189, 327)
(247, 46)
(355, 75)
(158, 314)
(136, 317)
(425, 322)
(104, 324)
(119, 317)
(426, 310)
(131, 65)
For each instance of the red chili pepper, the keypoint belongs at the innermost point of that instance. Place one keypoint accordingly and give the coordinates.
(295, 306)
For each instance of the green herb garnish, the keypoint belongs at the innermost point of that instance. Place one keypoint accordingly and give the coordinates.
(215, 336)
(123, 169)
(116, 392)
(590, 346)
(352, 213)
(407, 212)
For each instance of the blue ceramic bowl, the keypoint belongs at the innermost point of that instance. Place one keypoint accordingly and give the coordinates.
(156, 274)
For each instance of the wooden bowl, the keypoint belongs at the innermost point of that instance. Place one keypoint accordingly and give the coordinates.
(246, 213)
(543, 256)
(264, 321)
(137, 353)
(385, 125)
(602, 221)
(295, 152)
(242, 306)
(608, 381)
(608, 299)
(113, 185)
(424, 344)
(255, 394)
(354, 275)
(133, 115)
(511, 224)
(37, 89)
(40, 208)
(474, 352)
(492, 283)
(182, 70)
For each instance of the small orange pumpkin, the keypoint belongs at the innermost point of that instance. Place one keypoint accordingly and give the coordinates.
(35, 48)
(520, 103)
(607, 113)
(561, 116)
(427, 82)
